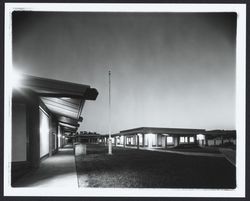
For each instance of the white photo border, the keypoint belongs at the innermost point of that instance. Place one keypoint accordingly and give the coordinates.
(240, 9)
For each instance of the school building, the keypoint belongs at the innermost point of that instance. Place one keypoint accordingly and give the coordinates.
(153, 137)
(45, 113)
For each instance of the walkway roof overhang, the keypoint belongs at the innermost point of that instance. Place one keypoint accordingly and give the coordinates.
(156, 130)
(212, 134)
(64, 99)
(89, 135)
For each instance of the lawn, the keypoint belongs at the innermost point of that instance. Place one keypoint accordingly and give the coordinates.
(131, 168)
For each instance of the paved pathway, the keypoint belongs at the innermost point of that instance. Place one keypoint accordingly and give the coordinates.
(179, 152)
(229, 154)
(56, 171)
(187, 153)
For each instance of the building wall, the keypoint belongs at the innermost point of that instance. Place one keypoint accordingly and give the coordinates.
(217, 142)
(53, 134)
(19, 133)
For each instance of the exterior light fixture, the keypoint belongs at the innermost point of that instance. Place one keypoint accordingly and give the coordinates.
(65, 98)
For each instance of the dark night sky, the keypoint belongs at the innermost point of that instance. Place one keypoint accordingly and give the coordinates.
(168, 69)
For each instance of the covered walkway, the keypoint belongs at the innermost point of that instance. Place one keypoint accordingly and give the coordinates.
(56, 171)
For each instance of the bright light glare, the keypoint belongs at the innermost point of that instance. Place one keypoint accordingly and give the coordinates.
(151, 138)
(16, 79)
(200, 137)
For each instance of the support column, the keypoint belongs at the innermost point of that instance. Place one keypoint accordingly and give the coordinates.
(156, 141)
(195, 139)
(124, 141)
(115, 141)
(176, 140)
(138, 141)
(50, 136)
(135, 140)
(206, 141)
(121, 140)
(33, 122)
(143, 140)
(163, 141)
(57, 132)
(150, 143)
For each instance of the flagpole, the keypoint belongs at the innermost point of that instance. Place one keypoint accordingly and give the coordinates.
(110, 140)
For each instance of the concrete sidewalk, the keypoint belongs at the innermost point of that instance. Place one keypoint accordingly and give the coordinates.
(56, 171)
(229, 154)
(184, 152)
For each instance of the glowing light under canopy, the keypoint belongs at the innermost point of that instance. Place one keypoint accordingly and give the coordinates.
(16, 79)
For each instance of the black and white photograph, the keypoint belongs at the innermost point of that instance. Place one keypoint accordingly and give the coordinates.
(122, 99)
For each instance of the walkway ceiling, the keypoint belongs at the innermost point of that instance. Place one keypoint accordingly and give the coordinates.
(70, 107)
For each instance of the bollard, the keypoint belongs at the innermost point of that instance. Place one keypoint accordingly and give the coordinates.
(80, 150)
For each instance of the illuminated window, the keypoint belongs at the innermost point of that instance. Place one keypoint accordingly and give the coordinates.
(121, 139)
(169, 140)
(44, 133)
(200, 137)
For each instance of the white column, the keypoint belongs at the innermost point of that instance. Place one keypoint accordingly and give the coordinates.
(163, 141)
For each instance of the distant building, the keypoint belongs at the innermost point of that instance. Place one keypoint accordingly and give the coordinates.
(87, 137)
(220, 137)
(153, 137)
